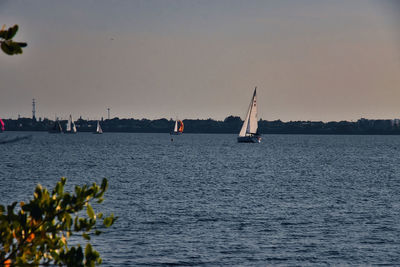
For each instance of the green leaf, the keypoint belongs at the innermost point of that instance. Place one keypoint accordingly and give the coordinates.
(86, 236)
(92, 256)
(22, 44)
(68, 220)
(104, 184)
(11, 32)
(97, 232)
(79, 255)
(7, 49)
(59, 188)
(17, 48)
(108, 221)
(76, 224)
(3, 34)
(78, 191)
(88, 249)
(10, 48)
(90, 211)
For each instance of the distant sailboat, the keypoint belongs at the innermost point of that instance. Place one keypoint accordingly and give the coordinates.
(71, 128)
(249, 133)
(98, 129)
(178, 128)
(56, 128)
(2, 126)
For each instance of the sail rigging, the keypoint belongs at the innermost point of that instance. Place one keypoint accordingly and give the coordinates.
(250, 123)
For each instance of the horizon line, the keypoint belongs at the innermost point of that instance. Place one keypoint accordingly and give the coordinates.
(171, 119)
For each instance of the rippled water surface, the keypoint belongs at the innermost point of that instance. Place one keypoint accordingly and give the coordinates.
(207, 200)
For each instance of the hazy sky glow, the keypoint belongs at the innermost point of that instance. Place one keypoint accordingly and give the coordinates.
(311, 59)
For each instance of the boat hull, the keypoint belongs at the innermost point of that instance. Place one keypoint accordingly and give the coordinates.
(175, 133)
(249, 139)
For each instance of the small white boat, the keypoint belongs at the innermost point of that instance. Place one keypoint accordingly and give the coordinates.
(249, 133)
(98, 129)
(178, 128)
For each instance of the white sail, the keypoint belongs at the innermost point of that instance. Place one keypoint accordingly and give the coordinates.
(250, 124)
(73, 127)
(69, 123)
(176, 126)
(98, 129)
(245, 125)
(253, 121)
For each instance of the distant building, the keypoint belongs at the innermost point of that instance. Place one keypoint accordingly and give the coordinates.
(395, 123)
(33, 109)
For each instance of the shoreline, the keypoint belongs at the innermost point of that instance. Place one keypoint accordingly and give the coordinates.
(230, 133)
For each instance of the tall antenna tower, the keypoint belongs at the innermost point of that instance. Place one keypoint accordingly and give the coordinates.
(33, 109)
(108, 110)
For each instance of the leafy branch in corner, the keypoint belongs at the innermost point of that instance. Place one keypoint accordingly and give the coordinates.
(7, 44)
(37, 234)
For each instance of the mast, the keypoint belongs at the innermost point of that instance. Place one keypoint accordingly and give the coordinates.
(33, 109)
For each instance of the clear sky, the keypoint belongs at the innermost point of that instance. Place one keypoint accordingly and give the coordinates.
(311, 59)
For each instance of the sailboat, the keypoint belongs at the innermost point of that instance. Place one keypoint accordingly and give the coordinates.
(178, 128)
(249, 133)
(71, 128)
(56, 128)
(98, 129)
(2, 126)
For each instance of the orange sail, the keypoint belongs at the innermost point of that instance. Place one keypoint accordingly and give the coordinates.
(180, 126)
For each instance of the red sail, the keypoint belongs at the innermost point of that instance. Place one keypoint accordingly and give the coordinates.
(180, 127)
(2, 124)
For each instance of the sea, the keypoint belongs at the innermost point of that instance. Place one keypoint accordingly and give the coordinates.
(206, 200)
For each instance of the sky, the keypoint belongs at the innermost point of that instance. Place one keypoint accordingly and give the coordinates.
(310, 59)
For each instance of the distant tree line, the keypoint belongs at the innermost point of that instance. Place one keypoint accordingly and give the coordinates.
(231, 124)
